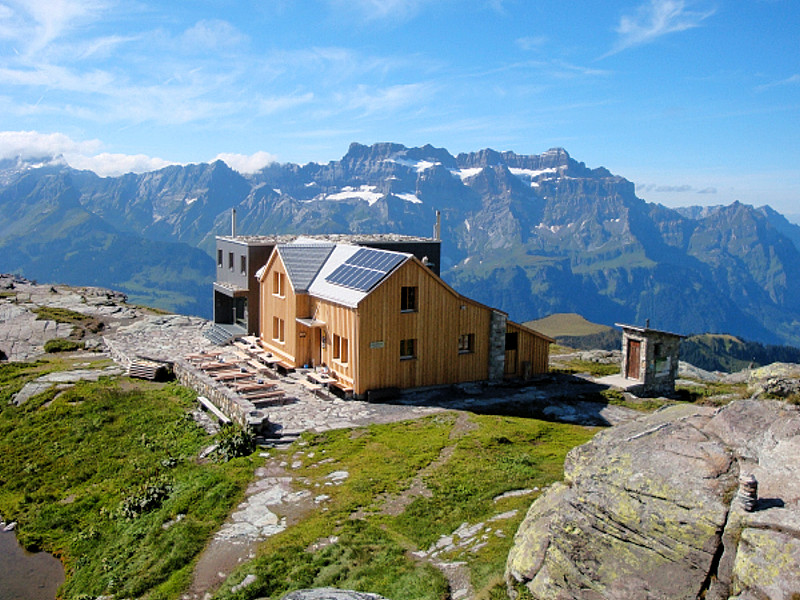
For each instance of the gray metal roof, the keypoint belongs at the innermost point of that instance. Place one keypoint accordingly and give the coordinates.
(303, 262)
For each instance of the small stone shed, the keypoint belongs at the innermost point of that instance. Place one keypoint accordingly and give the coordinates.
(650, 357)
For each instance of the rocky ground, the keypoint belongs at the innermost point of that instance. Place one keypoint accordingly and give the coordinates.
(271, 503)
(651, 510)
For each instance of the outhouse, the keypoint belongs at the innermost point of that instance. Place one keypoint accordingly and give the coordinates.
(650, 357)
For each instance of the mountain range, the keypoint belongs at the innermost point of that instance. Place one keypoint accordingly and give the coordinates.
(530, 234)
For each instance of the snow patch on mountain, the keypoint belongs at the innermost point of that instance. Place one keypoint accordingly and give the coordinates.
(532, 173)
(364, 192)
(418, 165)
(467, 173)
(408, 197)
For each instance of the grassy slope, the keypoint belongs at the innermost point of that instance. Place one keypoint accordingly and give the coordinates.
(566, 324)
(464, 469)
(71, 462)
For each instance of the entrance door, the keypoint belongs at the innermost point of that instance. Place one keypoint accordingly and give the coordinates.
(240, 312)
(634, 359)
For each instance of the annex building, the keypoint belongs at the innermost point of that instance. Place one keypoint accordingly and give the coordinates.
(380, 319)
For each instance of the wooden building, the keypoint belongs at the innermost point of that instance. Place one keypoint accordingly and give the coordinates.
(236, 294)
(382, 320)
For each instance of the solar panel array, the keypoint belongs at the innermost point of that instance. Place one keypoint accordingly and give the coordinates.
(364, 269)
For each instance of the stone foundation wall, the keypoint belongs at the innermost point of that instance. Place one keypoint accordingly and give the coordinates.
(240, 411)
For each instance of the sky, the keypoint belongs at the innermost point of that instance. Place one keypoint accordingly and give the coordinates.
(696, 102)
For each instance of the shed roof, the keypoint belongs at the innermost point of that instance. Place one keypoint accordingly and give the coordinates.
(647, 330)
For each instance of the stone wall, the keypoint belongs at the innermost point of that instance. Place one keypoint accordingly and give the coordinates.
(239, 410)
(497, 346)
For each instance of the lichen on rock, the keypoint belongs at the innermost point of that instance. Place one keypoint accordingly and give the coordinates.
(645, 510)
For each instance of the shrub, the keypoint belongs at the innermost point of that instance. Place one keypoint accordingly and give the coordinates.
(62, 345)
(233, 442)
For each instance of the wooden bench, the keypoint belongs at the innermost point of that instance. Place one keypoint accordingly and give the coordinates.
(283, 368)
(314, 388)
(272, 395)
(206, 404)
(345, 387)
(254, 386)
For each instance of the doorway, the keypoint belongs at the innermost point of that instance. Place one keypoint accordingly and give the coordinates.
(633, 363)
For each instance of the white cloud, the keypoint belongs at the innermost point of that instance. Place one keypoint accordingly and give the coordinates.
(113, 165)
(379, 10)
(32, 144)
(531, 42)
(79, 155)
(267, 106)
(793, 80)
(389, 98)
(654, 19)
(39, 22)
(213, 34)
(247, 164)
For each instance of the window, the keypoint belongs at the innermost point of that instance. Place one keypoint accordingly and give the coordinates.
(408, 299)
(219, 257)
(278, 284)
(230, 260)
(466, 343)
(340, 348)
(512, 339)
(243, 264)
(408, 349)
(278, 330)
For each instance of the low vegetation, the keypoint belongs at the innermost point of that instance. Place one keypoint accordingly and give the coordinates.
(81, 323)
(62, 345)
(464, 464)
(105, 476)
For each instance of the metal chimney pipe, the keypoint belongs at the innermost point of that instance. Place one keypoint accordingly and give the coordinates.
(437, 229)
(233, 222)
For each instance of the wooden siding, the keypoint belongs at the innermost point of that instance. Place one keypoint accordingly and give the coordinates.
(375, 328)
(441, 317)
(533, 348)
(282, 307)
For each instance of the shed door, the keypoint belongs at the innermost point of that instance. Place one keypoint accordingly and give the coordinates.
(634, 359)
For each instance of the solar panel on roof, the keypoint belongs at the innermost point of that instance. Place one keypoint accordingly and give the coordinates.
(375, 259)
(365, 268)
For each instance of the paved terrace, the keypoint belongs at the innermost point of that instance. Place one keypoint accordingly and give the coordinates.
(174, 338)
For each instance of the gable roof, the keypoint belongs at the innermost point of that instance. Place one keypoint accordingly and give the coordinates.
(303, 262)
(340, 273)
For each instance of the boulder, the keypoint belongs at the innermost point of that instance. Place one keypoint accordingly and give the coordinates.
(648, 510)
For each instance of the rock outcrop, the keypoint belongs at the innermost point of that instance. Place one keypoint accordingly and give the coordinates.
(649, 510)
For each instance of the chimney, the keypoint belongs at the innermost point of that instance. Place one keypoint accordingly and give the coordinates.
(437, 229)
(647, 323)
(233, 222)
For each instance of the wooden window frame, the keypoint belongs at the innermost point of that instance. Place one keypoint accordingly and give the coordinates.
(278, 284)
(340, 349)
(278, 330)
(408, 349)
(466, 343)
(408, 299)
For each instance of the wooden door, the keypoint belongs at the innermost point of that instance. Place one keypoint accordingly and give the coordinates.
(634, 359)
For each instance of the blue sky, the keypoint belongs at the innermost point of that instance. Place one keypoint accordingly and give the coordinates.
(697, 102)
